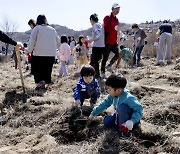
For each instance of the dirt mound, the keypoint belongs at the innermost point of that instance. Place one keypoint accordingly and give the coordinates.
(177, 66)
(45, 123)
(169, 115)
(12, 98)
(74, 126)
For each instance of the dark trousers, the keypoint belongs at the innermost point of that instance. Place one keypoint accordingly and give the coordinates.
(123, 114)
(32, 64)
(137, 54)
(97, 53)
(42, 68)
(84, 95)
(109, 48)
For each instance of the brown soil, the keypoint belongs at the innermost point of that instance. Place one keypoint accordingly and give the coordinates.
(47, 122)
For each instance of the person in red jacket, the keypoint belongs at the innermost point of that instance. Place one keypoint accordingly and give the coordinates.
(111, 26)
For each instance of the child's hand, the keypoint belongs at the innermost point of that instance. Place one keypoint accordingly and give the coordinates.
(77, 103)
(129, 124)
(91, 117)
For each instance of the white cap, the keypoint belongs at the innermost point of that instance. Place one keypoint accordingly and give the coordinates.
(115, 5)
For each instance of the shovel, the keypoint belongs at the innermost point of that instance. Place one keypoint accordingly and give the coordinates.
(20, 72)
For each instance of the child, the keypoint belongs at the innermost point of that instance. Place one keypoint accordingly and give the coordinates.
(126, 54)
(64, 54)
(81, 53)
(128, 109)
(87, 87)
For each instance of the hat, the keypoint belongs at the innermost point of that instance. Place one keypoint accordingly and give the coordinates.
(115, 5)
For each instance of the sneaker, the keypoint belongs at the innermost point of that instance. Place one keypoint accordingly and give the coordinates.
(177, 60)
(29, 75)
(41, 85)
(103, 75)
(159, 63)
(109, 68)
(169, 62)
(103, 85)
(139, 65)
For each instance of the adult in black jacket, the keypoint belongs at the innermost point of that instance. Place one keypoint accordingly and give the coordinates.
(6, 39)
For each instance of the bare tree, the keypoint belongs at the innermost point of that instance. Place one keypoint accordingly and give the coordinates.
(9, 27)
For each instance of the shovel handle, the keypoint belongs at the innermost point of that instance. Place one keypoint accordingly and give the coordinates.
(19, 67)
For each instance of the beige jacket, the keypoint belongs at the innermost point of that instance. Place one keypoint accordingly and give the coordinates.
(43, 41)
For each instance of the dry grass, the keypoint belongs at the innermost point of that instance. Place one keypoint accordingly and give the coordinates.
(39, 125)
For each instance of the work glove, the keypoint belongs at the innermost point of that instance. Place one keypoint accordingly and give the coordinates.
(129, 124)
(123, 129)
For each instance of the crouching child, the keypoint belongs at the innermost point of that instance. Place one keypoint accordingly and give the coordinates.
(127, 55)
(87, 87)
(128, 111)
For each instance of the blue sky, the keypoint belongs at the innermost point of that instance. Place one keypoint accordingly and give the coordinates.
(75, 14)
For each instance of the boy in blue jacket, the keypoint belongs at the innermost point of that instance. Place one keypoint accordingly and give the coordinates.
(87, 87)
(128, 111)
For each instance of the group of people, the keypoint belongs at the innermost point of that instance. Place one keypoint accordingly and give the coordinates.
(44, 42)
(128, 111)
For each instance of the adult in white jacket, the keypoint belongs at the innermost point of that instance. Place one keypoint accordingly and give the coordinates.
(98, 45)
(44, 41)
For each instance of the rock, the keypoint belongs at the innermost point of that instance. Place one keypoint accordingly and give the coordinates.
(2, 120)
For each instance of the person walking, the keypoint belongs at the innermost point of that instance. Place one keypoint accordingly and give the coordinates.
(98, 43)
(111, 25)
(139, 42)
(165, 41)
(43, 42)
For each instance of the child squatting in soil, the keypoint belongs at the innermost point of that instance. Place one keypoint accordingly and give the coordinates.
(128, 111)
(87, 86)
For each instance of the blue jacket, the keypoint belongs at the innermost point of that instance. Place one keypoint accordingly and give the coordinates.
(86, 88)
(125, 98)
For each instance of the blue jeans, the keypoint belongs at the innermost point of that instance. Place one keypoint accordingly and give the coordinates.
(138, 54)
(123, 114)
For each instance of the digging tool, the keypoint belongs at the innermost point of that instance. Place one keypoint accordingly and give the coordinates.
(119, 43)
(132, 59)
(20, 71)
